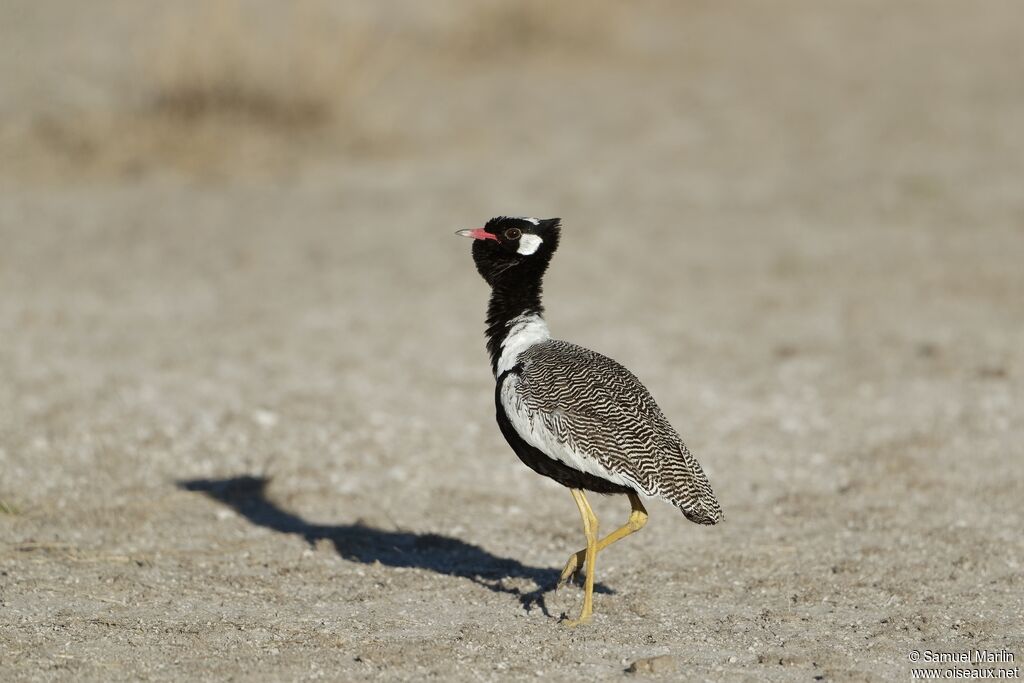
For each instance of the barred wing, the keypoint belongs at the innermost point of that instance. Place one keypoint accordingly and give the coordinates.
(591, 413)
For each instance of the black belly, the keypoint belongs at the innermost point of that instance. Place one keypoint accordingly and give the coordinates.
(540, 463)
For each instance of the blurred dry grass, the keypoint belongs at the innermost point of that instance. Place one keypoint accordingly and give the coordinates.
(222, 87)
(498, 29)
(231, 86)
(296, 70)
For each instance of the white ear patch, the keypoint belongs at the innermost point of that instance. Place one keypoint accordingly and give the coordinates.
(528, 244)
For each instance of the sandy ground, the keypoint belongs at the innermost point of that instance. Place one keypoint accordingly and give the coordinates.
(247, 422)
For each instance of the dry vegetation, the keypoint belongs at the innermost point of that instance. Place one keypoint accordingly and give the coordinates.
(295, 71)
(520, 30)
(223, 86)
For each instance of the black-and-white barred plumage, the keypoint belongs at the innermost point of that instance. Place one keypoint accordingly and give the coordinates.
(570, 413)
(587, 411)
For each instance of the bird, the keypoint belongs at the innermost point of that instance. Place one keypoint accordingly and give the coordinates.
(572, 414)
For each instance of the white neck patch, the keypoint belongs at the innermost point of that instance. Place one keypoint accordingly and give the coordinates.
(523, 332)
(528, 244)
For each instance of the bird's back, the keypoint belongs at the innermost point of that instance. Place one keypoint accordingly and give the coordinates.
(591, 410)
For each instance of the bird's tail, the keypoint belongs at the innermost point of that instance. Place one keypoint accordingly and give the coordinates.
(682, 482)
(705, 511)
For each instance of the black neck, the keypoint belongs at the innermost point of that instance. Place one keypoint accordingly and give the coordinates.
(516, 292)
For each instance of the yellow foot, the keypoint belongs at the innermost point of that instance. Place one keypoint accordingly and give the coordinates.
(573, 623)
(572, 567)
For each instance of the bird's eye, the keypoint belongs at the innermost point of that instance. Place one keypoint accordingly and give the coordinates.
(513, 233)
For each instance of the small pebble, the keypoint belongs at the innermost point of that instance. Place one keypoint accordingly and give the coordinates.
(653, 665)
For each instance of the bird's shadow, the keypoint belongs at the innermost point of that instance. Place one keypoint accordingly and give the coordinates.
(365, 544)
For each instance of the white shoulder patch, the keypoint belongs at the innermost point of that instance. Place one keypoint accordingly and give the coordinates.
(523, 332)
(529, 244)
(539, 431)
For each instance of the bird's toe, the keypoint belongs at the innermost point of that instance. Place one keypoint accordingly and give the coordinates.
(573, 566)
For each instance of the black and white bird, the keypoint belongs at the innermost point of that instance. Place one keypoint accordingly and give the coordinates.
(572, 414)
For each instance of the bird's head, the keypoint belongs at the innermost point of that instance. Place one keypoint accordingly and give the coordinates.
(508, 246)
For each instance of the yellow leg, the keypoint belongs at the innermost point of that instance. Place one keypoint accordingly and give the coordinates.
(637, 520)
(590, 529)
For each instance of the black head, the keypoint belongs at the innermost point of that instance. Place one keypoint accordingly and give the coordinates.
(513, 246)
